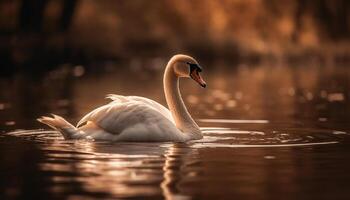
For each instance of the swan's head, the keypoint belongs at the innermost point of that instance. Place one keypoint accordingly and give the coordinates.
(188, 67)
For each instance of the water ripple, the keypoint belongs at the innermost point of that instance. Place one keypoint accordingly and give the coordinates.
(213, 137)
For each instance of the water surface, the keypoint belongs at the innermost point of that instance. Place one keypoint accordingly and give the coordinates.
(270, 132)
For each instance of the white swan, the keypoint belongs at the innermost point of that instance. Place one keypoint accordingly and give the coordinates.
(138, 119)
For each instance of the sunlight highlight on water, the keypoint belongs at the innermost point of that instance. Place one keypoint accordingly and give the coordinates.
(234, 121)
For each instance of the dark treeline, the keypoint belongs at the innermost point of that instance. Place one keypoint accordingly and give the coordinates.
(31, 15)
(47, 32)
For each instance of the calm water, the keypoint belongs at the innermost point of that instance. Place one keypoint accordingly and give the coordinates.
(270, 132)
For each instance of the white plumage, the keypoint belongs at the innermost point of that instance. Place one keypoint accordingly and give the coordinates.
(138, 119)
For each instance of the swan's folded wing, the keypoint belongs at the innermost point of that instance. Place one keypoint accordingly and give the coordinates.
(117, 100)
(115, 118)
(93, 114)
(157, 106)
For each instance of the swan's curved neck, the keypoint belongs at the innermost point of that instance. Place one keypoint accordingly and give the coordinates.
(183, 119)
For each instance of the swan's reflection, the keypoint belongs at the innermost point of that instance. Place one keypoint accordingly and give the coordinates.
(123, 170)
(177, 157)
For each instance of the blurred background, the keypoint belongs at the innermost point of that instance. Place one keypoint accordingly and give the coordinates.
(277, 71)
(292, 55)
(37, 35)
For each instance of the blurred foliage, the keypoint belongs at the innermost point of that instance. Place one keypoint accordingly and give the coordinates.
(232, 29)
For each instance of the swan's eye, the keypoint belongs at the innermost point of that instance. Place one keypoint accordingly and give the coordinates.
(195, 67)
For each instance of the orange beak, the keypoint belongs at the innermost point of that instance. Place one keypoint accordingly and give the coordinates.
(196, 77)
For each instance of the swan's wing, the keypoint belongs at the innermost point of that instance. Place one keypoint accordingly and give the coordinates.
(157, 106)
(117, 118)
(93, 113)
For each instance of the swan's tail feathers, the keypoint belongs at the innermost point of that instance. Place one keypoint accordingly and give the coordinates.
(58, 123)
